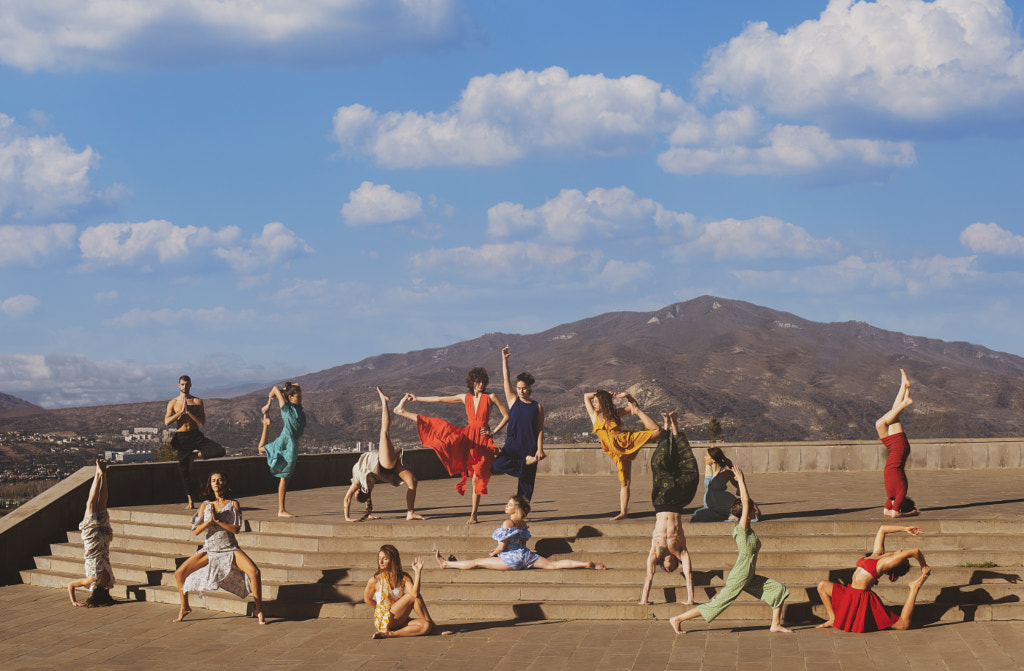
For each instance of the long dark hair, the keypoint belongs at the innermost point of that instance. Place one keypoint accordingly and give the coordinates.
(523, 504)
(99, 598)
(719, 458)
(208, 488)
(605, 406)
(478, 374)
(396, 573)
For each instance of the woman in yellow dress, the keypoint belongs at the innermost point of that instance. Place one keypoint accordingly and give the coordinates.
(621, 446)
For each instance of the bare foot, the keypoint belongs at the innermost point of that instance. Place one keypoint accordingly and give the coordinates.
(596, 565)
(181, 614)
(413, 516)
(904, 380)
(381, 634)
(190, 506)
(888, 512)
(101, 465)
(780, 629)
(825, 625)
(440, 560)
(533, 459)
(925, 572)
(675, 622)
(284, 513)
(472, 520)
(401, 404)
(686, 603)
(383, 399)
(621, 516)
(259, 618)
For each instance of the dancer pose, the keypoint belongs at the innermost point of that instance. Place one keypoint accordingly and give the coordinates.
(394, 596)
(96, 537)
(383, 465)
(743, 576)
(621, 446)
(857, 608)
(283, 452)
(718, 502)
(524, 434)
(188, 441)
(674, 472)
(897, 503)
(511, 553)
(463, 451)
(220, 563)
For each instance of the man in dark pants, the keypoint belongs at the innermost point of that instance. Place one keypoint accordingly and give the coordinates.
(188, 441)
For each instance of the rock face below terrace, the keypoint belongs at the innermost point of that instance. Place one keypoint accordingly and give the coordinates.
(765, 374)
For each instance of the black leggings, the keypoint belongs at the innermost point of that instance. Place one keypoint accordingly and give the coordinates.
(187, 442)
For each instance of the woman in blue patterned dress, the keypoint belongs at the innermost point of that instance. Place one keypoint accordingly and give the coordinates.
(511, 554)
(283, 452)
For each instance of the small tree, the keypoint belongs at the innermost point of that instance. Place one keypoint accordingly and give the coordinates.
(714, 430)
(166, 453)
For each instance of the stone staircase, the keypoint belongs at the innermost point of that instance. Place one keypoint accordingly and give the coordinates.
(320, 570)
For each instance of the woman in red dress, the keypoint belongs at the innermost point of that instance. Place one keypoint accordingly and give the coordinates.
(463, 451)
(857, 608)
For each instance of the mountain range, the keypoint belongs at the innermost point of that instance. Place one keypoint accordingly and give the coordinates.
(766, 375)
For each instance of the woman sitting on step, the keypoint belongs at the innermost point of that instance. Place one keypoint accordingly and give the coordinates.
(96, 537)
(718, 502)
(857, 608)
(220, 563)
(511, 553)
(394, 596)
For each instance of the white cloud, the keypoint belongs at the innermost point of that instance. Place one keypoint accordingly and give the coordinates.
(618, 274)
(497, 259)
(19, 306)
(914, 276)
(42, 176)
(502, 118)
(572, 216)
(906, 59)
(129, 34)
(991, 239)
(215, 318)
(757, 238)
(31, 244)
(275, 244)
(106, 296)
(126, 243)
(372, 204)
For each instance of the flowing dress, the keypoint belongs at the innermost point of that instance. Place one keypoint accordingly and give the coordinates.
(96, 537)
(860, 610)
(284, 451)
(462, 451)
(521, 434)
(743, 578)
(221, 572)
(621, 446)
(516, 555)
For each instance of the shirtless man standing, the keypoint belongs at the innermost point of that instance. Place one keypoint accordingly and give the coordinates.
(188, 441)
(674, 470)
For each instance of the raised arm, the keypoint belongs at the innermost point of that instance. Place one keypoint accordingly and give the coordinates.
(741, 483)
(588, 403)
(884, 530)
(455, 398)
(510, 392)
(275, 392)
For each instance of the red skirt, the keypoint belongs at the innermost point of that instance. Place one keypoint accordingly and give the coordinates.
(860, 610)
(463, 451)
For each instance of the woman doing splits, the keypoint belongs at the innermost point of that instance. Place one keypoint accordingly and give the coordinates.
(284, 452)
(463, 451)
(743, 576)
(674, 475)
(857, 608)
(621, 446)
(524, 433)
(96, 537)
(220, 563)
(381, 465)
(394, 596)
(897, 503)
(511, 553)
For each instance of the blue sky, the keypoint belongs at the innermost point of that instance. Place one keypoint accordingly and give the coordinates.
(247, 191)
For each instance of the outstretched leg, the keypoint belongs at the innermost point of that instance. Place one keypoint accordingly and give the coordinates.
(648, 423)
(679, 619)
(545, 563)
(190, 566)
(402, 412)
(493, 563)
(98, 491)
(386, 450)
(889, 423)
(249, 568)
(908, 608)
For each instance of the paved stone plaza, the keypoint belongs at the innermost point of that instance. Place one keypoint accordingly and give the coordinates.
(40, 630)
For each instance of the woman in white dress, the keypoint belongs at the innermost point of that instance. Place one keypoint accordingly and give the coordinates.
(96, 537)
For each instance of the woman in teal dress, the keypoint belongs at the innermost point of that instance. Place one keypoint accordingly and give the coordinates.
(743, 576)
(283, 452)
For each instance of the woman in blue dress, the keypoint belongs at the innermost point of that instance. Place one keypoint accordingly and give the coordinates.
(511, 554)
(283, 452)
(524, 433)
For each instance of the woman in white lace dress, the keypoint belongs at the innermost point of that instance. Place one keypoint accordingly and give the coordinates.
(96, 537)
(220, 563)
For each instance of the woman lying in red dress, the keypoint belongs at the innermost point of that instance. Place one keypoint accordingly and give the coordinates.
(857, 608)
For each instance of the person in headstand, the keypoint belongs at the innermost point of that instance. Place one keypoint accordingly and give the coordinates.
(96, 537)
(743, 576)
(524, 433)
(220, 563)
(394, 596)
(463, 451)
(621, 446)
(857, 608)
(383, 465)
(675, 478)
(718, 502)
(284, 452)
(897, 503)
(511, 554)
(189, 442)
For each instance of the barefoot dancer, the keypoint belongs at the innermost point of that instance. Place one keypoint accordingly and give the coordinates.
(220, 563)
(394, 596)
(466, 451)
(188, 441)
(743, 576)
(524, 434)
(511, 553)
(283, 452)
(96, 537)
(891, 432)
(621, 446)
(857, 608)
(383, 465)
(674, 472)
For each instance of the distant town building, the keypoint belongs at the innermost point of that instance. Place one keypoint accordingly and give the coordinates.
(128, 456)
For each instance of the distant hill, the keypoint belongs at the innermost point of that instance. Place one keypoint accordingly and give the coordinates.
(8, 402)
(765, 374)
